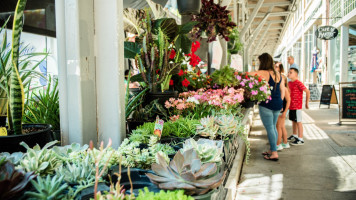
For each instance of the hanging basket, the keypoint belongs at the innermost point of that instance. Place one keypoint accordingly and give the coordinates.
(187, 7)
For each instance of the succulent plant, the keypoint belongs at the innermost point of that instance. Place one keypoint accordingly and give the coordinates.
(13, 181)
(48, 188)
(227, 125)
(207, 127)
(70, 152)
(209, 151)
(14, 158)
(41, 161)
(187, 172)
(167, 195)
(79, 172)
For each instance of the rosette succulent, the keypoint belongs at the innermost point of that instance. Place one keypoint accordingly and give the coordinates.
(187, 172)
(209, 151)
(207, 127)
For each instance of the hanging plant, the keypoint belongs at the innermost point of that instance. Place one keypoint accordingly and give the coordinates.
(214, 20)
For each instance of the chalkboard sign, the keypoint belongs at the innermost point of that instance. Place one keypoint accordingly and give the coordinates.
(328, 95)
(349, 102)
(314, 92)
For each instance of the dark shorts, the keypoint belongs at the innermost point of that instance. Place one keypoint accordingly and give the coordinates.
(295, 115)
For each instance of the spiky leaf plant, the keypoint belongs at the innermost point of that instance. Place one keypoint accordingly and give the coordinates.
(187, 172)
(48, 188)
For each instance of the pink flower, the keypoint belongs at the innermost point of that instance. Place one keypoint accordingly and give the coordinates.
(174, 118)
(242, 84)
(263, 89)
(254, 92)
(238, 77)
(167, 104)
(250, 85)
(180, 106)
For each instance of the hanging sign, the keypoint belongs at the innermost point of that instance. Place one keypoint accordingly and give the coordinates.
(326, 32)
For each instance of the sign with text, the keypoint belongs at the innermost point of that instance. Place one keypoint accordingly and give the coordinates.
(328, 95)
(314, 92)
(349, 102)
(326, 32)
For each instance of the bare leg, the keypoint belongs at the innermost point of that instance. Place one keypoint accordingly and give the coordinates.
(295, 128)
(279, 130)
(300, 129)
(284, 131)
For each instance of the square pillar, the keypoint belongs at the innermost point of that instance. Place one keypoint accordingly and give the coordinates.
(344, 45)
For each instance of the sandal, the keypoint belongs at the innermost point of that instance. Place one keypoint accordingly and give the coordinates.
(266, 153)
(268, 157)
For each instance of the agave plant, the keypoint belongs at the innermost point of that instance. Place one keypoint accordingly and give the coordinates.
(187, 172)
(41, 161)
(80, 171)
(48, 188)
(13, 181)
(207, 127)
(209, 151)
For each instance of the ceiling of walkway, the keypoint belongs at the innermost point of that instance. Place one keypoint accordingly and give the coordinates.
(262, 23)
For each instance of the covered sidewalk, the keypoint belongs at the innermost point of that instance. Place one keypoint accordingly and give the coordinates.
(324, 168)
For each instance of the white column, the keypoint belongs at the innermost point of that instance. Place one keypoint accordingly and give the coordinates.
(302, 64)
(344, 45)
(109, 45)
(75, 35)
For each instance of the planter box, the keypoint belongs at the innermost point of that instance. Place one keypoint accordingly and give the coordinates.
(11, 143)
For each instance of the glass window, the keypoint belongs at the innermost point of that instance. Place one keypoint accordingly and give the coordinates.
(352, 54)
(334, 68)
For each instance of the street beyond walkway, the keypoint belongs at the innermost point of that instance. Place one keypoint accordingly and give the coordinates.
(324, 168)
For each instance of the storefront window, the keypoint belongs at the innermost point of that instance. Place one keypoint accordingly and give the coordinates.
(334, 68)
(352, 54)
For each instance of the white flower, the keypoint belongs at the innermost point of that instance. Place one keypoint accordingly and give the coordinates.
(193, 100)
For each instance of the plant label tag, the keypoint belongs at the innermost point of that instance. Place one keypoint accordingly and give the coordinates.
(158, 127)
(3, 131)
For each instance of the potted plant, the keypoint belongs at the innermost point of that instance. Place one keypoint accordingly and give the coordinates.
(159, 53)
(214, 20)
(225, 77)
(234, 45)
(33, 133)
(187, 7)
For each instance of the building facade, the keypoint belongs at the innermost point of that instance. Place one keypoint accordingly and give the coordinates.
(321, 61)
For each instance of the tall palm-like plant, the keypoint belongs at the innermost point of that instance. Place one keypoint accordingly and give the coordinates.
(15, 59)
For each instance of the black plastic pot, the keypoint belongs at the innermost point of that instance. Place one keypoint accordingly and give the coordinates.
(88, 193)
(248, 104)
(11, 143)
(139, 185)
(3, 121)
(162, 97)
(187, 7)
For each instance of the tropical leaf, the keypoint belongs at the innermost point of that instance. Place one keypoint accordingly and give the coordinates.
(184, 43)
(131, 49)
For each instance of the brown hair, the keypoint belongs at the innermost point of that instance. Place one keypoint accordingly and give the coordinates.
(281, 68)
(266, 63)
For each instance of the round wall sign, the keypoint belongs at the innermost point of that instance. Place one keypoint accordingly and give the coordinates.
(326, 32)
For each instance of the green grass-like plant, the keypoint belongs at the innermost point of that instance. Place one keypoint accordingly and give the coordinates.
(166, 195)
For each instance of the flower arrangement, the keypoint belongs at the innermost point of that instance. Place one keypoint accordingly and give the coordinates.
(214, 20)
(256, 88)
(203, 102)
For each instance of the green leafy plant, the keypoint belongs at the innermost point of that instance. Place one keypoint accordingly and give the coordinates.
(166, 195)
(43, 107)
(14, 158)
(149, 112)
(70, 152)
(13, 181)
(133, 156)
(234, 45)
(209, 151)
(131, 104)
(214, 20)
(48, 188)
(16, 63)
(187, 172)
(78, 172)
(40, 161)
(225, 77)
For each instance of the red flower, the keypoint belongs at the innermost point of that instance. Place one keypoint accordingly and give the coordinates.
(171, 82)
(181, 73)
(194, 60)
(185, 82)
(199, 72)
(246, 76)
(195, 46)
(259, 79)
(172, 54)
(157, 71)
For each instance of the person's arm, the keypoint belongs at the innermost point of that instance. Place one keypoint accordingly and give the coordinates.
(307, 92)
(287, 97)
(282, 87)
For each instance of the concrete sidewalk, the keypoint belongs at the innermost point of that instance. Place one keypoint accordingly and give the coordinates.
(320, 169)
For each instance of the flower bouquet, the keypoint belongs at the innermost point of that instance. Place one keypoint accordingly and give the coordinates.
(256, 88)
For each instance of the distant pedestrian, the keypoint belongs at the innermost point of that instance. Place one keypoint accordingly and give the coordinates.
(269, 111)
(292, 63)
(281, 128)
(296, 88)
